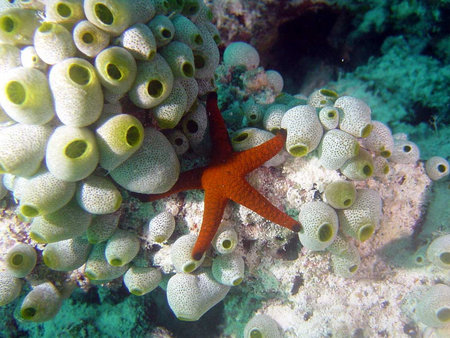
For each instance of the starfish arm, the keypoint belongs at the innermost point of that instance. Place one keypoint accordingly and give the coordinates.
(212, 216)
(188, 180)
(253, 158)
(251, 198)
(219, 135)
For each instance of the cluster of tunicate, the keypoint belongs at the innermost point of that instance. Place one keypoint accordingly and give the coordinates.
(67, 145)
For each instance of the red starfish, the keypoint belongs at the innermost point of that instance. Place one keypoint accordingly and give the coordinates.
(224, 179)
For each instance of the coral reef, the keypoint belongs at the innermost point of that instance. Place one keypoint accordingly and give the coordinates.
(103, 100)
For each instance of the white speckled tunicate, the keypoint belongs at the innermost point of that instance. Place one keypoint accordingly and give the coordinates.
(116, 69)
(380, 140)
(9, 57)
(161, 227)
(65, 12)
(97, 267)
(304, 130)
(241, 54)
(89, 39)
(112, 16)
(194, 126)
(118, 137)
(122, 247)
(329, 117)
(360, 220)
(436, 167)
(163, 29)
(53, 43)
(191, 87)
(207, 56)
(68, 222)
(247, 138)
(187, 32)
(22, 148)
(322, 97)
(18, 26)
(275, 81)
(438, 251)
(254, 112)
(380, 166)
(77, 92)
(72, 153)
(178, 140)
(20, 260)
(153, 169)
(262, 326)
(273, 116)
(405, 152)
(67, 255)
(181, 254)
(153, 82)
(229, 269)
(98, 195)
(319, 225)
(43, 193)
(360, 167)
(42, 303)
(10, 287)
(226, 240)
(355, 116)
(336, 148)
(102, 227)
(139, 41)
(25, 96)
(180, 59)
(433, 306)
(142, 280)
(30, 59)
(340, 194)
(340, 245)
(169, 112)
(190, 296)
(347, 263)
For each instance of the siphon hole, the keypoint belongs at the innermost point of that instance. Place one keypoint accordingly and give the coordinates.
(443, 314)
(189, 267)
(198, 40)
(299, 150)
(329, 93)
(155, 88)
(385, 153)
(133, 136)
(104, 15)
(255, 333)
(79, 74)
(226, 244)
(419, 259)
(166, 33)
(29, 211)
(353, 268)
(15, 92)
(366, 130)
(365, 232)
(407, 149)
(192, 126)
(325, 232)
(187, 69)
(237, 281)
(445, 258)
(7, 24)
(28, 312)
(367, 170)
(441, 168)
(76, 149)
(17, 260)
(347, 202)
(116, 262)
(199, 61)
(241, 137)
(87, 38)
(113, 71)
(178, 141)
(63, 10)
(331, 114)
